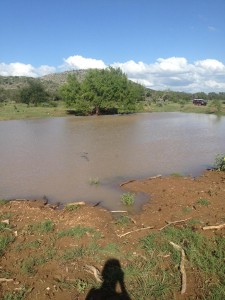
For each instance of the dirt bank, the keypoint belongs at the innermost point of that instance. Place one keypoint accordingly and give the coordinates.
(46, 253)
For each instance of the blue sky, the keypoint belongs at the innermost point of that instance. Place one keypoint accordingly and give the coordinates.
(163, 44)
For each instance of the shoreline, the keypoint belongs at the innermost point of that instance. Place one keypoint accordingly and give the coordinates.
(43, 250)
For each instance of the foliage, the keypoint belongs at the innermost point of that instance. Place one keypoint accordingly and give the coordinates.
(34, 93)
(101, 91)
(127, 198)
(220, 162)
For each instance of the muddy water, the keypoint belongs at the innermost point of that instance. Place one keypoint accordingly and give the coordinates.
(61, 157)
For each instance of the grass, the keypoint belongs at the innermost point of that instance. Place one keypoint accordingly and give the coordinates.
(4, 242)
(72, 207)
(19, 295)
(204, 254)
(3, 202)
(78, 232)
(15, 111)
(94, 181)
(203, 202)
(123, 220)
(127, 199)
(42, 227)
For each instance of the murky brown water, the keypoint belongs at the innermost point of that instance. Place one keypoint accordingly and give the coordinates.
(59, 157)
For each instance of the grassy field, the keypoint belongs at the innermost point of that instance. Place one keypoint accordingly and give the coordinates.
(16, 111)
(188, 108)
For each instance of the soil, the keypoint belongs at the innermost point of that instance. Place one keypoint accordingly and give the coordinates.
(171, 199)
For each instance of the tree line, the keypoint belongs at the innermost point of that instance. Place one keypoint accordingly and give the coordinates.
(104, 91)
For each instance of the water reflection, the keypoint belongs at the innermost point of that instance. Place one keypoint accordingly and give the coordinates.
(58, 157)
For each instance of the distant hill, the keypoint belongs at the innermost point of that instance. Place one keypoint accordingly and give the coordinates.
(51, 82)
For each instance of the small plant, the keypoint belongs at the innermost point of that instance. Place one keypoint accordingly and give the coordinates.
(81, 285)
(123, 220)
(72, 207)
(127, 199)
(4, 241)
(176, 175)
(220, 162)
(94, 181)
(203, 202)
(27, 266)
(187, 209)
(3, 202)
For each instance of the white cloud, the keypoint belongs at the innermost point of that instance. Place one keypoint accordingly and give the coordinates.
(177, 74)
(20, 69)
(79, 62)
(174, 73)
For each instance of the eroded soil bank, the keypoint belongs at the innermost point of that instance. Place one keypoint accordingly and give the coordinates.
(46, 253)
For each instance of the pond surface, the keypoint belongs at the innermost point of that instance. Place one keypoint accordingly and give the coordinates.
(61, 157)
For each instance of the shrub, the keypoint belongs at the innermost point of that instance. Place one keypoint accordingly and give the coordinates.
(220, 162)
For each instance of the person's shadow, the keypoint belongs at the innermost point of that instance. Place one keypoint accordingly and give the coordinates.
(113, 286)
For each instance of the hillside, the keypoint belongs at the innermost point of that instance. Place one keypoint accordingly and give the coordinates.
(51, 82)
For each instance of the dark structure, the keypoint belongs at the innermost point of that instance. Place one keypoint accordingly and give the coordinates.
(199, 102)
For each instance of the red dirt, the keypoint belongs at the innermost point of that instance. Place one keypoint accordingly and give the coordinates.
(170, 199)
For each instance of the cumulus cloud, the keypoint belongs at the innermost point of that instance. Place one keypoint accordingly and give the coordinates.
(174, 73)
(177, 74)
(20, 69)
(79, 62)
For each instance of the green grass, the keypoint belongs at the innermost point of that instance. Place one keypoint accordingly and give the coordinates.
(3, 202)
(123, 220)
(187, 107)
(176, 175)
(42, 227)
(13, 111)
(78, 232)
(72, 207)
(203, 202)
(127, 198)
(15, 295)
(203, 254)
(4, 242)
(74, 253)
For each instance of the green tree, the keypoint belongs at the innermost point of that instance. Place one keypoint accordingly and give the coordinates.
(70, 92)
(34, 93)
(101, 91)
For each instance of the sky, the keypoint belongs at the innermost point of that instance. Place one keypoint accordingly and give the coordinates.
(162, 44)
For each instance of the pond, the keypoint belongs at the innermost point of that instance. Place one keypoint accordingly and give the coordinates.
(86, 158)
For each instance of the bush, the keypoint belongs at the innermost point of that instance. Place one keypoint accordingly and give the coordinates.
(220, 162)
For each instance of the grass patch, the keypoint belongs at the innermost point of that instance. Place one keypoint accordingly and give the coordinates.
(27, 266)
(203, 202)
(15, 295)
(4, 242)
(78, 232)
(72, 207)
(10, 111)
(187, 210)
(176, 175)
(204, 254)
(42, 227)
(74, 253)
(94, 181)
(3, 202)
(123, 220)
(127, 198)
